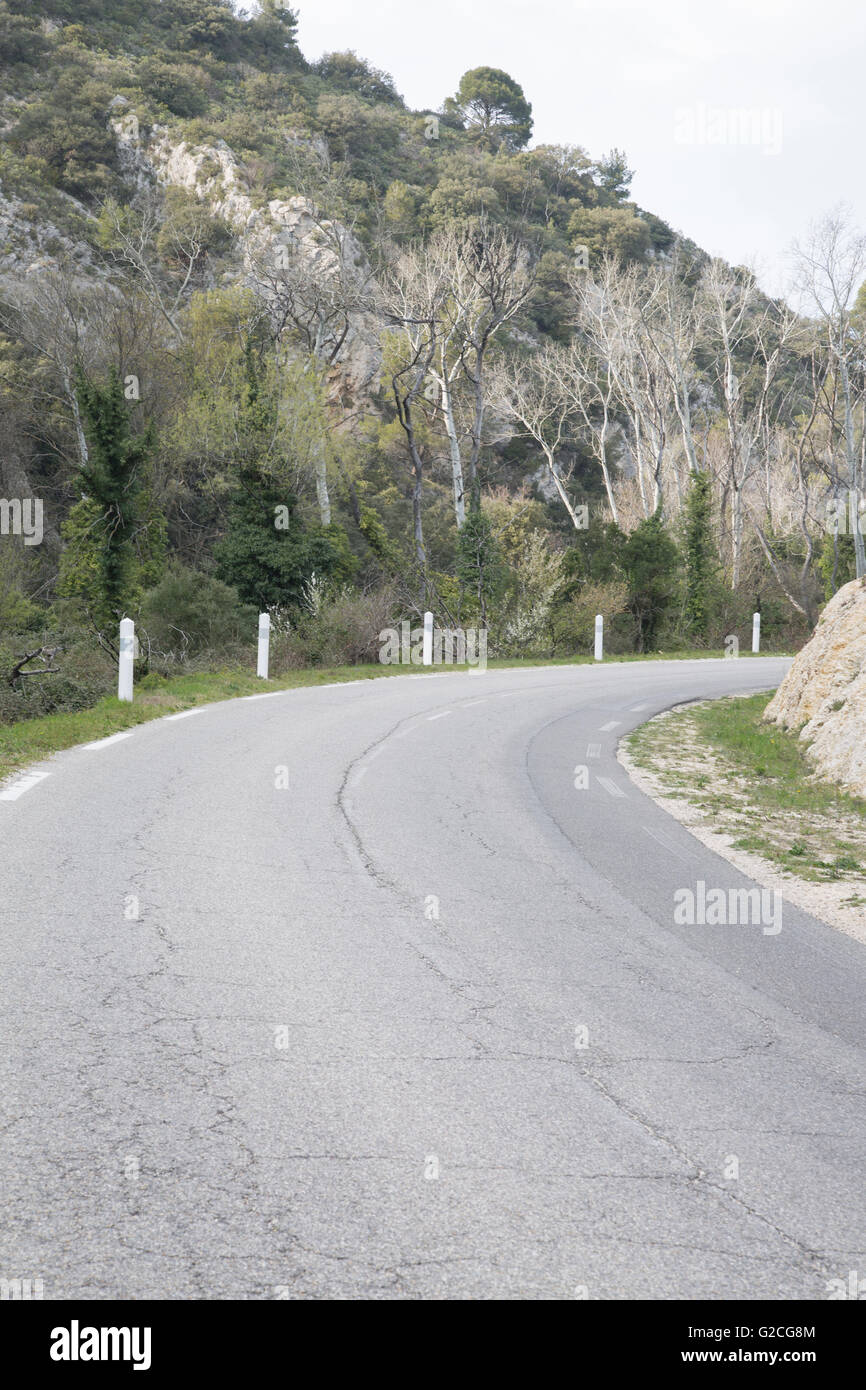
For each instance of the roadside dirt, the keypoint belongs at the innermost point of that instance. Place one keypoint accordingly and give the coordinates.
(686, 775)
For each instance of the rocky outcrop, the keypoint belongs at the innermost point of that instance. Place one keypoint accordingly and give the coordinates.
(324, 251)
(823, 695)
(317, 250)
(30, 242)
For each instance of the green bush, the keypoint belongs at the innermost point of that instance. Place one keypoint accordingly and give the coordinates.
(180, 87)
(188, 613)
(268, 554)
(337, 629)
(650, 560)
(574, 621)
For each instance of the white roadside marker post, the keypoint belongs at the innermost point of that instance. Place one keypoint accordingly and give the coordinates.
(264, 645)
(427, 650)
(125, 660)
(756, 632)
(599, 636)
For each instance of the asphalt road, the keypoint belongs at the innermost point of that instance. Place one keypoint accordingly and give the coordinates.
(420, 1023)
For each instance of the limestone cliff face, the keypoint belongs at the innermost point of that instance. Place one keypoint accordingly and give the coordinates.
(324, 250)
(30, 242)
(824, 693)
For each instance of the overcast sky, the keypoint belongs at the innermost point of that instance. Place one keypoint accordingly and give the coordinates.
(744, 119)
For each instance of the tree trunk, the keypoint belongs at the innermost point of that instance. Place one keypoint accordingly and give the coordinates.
(417, 487)
(736, 534)
(560, 487)
(853, 470)
(454, 447)
(72, 397)
(322, 495)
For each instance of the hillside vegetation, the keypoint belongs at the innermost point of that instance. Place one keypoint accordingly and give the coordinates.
(269, 339)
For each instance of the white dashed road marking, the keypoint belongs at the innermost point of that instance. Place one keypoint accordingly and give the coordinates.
(610, 786)
(439, 716)
(611, 724)
(16, 789)
(593, 750)
(113, 738)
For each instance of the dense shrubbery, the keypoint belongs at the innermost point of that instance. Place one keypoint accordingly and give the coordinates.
(334, 627)
(190, 614)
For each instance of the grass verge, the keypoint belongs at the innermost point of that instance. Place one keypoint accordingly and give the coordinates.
(753, 782)
(31, 739)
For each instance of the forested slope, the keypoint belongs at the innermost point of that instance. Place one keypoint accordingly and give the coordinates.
(271, 339)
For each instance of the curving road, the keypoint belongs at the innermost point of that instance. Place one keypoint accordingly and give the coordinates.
(420, 1023)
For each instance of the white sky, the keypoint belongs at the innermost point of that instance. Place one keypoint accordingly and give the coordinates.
(603, 73)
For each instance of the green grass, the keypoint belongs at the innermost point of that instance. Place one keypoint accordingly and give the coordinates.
(763, 789)
(787, 778)
(31, 739)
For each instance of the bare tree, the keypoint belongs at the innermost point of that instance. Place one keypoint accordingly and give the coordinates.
(62, 321)
(831, 266)
(463, 285)
(675, 328)
(614, 314)
(133, 245)
(493, 278)
(590, 383)
(424, 274)
(411, 304)
(535, 393)
(447, 363)
(314, 287)
(750, 337)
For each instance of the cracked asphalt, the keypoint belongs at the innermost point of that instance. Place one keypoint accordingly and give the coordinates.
(419, 1024)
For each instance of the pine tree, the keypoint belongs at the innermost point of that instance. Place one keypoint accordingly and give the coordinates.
(100, 565)
(700, 555)
(267, 554)
(650, 560)
(478, 559)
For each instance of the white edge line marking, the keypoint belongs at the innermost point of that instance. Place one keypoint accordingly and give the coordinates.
(22, 785)
(443, 715)
(113, 738)
(185, 714)
(635, 709)
(611, 724)
(268, 695)
(610, 786)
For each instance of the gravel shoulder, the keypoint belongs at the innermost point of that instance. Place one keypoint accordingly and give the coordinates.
(671, 761)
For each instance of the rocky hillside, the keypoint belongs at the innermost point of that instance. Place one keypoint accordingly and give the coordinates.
(118, 118)
(824, 693)
(270, 338)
